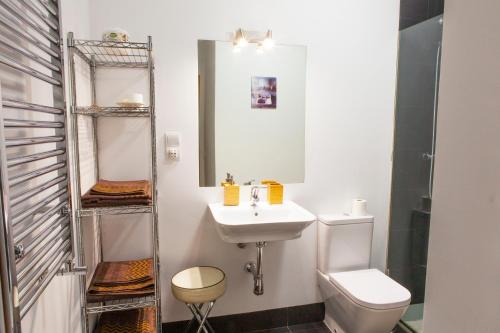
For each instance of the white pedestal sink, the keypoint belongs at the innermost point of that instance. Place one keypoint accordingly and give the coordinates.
(262, 223)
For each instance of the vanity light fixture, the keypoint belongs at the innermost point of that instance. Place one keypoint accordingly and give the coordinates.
(242, 38)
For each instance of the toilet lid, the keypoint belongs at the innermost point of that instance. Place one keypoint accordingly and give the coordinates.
(372, 289)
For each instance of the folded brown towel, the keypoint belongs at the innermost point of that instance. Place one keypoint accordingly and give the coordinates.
(120, 187)
(118, 193)
(122, 279)
(130, 321)
(124, 288)
(109, 274)
(95, 203)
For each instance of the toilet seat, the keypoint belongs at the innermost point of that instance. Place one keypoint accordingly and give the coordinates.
(371, 288)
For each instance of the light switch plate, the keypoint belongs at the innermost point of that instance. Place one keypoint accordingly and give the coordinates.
(172, 145)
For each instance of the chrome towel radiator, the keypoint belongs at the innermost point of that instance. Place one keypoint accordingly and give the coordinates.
(36, 223)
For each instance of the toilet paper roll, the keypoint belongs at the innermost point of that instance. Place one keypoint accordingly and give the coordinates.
(359, 207)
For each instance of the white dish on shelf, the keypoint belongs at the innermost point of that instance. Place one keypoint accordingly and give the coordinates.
(126, 104)
(115, 35)
(135, 101)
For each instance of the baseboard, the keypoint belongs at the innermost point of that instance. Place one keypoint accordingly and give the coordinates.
(260, 320)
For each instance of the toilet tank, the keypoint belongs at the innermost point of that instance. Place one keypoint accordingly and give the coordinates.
(344, 242)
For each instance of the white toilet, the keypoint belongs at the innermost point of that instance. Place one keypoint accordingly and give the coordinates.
(357, 299)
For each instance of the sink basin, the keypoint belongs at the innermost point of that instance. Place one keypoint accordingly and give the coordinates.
(265, 222)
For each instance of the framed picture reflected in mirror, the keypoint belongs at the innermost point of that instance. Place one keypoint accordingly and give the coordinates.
(264, 92)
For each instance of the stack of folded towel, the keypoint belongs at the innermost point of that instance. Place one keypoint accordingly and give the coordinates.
(130, 321)
(122, 279)
(107, 193)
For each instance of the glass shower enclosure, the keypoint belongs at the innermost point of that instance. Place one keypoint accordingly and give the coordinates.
(413, 161)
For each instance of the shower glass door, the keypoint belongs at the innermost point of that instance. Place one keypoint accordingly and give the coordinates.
(413, 161)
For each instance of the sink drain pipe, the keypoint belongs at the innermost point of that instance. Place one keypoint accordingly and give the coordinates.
(256, 270)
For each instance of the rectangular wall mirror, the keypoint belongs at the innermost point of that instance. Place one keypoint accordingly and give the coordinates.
(251, 112)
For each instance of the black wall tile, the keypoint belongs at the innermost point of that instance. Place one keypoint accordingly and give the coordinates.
(406, 22)
(436, 7)
(260, 321)
(420, 238)
(399, 255)
(419, 276)
(309, 313)
(415, 11)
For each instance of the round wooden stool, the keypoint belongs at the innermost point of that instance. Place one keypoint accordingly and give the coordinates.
(197, 286)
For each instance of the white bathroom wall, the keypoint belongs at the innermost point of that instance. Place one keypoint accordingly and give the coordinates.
(58, 309)
(463, 273)
(273, 137)
(351, 71)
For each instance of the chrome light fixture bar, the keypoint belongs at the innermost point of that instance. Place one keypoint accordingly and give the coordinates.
(242, 38)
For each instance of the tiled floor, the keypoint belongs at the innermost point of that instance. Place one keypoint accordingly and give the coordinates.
(302, 328)
(413, 317)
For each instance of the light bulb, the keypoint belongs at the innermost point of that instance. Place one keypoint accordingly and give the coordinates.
(242, 42)
(268, 41)
(240, 39)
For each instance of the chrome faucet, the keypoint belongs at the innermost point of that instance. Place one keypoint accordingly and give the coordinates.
(250, 182)
(254, 195)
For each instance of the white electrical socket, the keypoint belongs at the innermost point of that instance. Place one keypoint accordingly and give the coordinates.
(173, 154)
(172, 146)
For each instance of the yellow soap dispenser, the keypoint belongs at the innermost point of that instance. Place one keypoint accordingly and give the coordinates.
(231, 191)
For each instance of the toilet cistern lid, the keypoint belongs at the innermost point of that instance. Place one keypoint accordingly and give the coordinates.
(372, 289)
(329, 219)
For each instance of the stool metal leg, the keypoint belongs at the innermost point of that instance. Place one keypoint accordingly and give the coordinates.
(207, 323)
(196, 316)
(200, 317)
(202, 323)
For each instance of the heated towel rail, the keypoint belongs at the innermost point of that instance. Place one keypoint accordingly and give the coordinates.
(36, 223)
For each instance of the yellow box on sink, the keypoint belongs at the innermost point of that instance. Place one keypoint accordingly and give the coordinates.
(231, 194)
(274, 192)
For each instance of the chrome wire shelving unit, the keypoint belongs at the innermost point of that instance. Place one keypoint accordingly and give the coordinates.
(36, 225)
(101, 54)
(124, 210)
(113, 111)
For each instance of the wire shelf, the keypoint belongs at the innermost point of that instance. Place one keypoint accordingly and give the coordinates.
(99, 54)
(113, 54)
(113, 111)
(136, 320)
(120, 210)
(120, 305)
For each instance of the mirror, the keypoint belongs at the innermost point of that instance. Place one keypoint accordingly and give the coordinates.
(251, 112)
